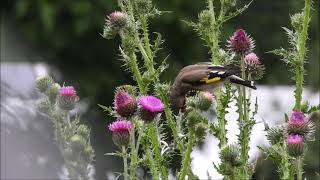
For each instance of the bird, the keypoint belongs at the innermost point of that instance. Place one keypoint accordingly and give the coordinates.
(203, 77)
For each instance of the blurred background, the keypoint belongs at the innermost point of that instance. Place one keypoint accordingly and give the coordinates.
(63, 38)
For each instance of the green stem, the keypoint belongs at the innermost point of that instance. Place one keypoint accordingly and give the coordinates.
(302, 50)
(244, 120)
(125, 163)
(299, 167)
(153, 135)
(134, 157)
(136, 73)
(284, 168)
(152, 165)
(144, 24)
(187, 157)
(221, 112)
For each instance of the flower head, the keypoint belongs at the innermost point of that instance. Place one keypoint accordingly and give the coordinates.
(120, 132)
(240, 42)
(125, 104)
(44, 82)
(254, 66)
(294, 139)
(151, 103)
(150, 106)
(116, 21)
(298, 124)
(120, 125)
(67, 91)
(205, 100)
(295, 145)
(251, 58)
(297, 118)
(67, 97)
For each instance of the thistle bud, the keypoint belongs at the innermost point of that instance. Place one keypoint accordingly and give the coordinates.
(205, 100)
(143, 6)
(295, 145)
(125, 104)
(253, 66)
(200, 131)
(77, 143)
(149, 107)
(194, 118)
(44, 106)
(44, 82)
(231, 154)
(53, 92)
(240, 42)
(206, 19)
(67, 98)
(114, 23)
(120, 132)
(275, 135)
(297, 21)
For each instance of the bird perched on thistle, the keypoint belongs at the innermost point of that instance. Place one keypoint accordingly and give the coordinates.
(203, 77)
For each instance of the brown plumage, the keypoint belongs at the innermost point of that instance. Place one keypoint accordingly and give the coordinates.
(203, 77)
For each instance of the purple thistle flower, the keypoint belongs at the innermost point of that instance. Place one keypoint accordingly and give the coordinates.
(151, 103)
(120, 125)
(298, 124)
(150, 106)
(121, 132)
(295, 145)
(251, 59)
(209, 96)
(240, 42)
(67, 97)
(117, 19)
(254, 66)
(294, 139)
(125, 104)
(297, 118)
(67, 91)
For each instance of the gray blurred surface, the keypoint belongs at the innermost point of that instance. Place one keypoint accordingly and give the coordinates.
(27, 148)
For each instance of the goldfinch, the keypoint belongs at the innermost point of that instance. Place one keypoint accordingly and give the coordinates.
(203, 77)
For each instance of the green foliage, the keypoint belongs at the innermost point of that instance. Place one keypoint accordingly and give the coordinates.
(72, 138)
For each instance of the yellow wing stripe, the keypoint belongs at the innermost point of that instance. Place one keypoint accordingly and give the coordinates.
(208, 81)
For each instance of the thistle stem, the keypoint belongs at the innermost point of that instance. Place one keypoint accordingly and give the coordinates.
(302, 50)
(133, 154)
(136, 73)
(244, 119)
(299, 167)
(187, 157)
(144, 24)
(125, 163)
(221, 112)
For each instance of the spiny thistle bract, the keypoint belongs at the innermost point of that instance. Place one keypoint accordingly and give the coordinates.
(295, 145)
(240, 42)
(125, 104)
(253, 66)
(44, 82)
(67, 98)
(120, 132)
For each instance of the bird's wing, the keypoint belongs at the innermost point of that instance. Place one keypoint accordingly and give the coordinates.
(208, 74)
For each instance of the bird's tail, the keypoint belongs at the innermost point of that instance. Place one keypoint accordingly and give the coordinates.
(238, 80)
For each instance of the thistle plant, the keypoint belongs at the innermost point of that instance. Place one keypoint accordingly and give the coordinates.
(289, 140)
(239, 52)
(149, 133)
(71, 137)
